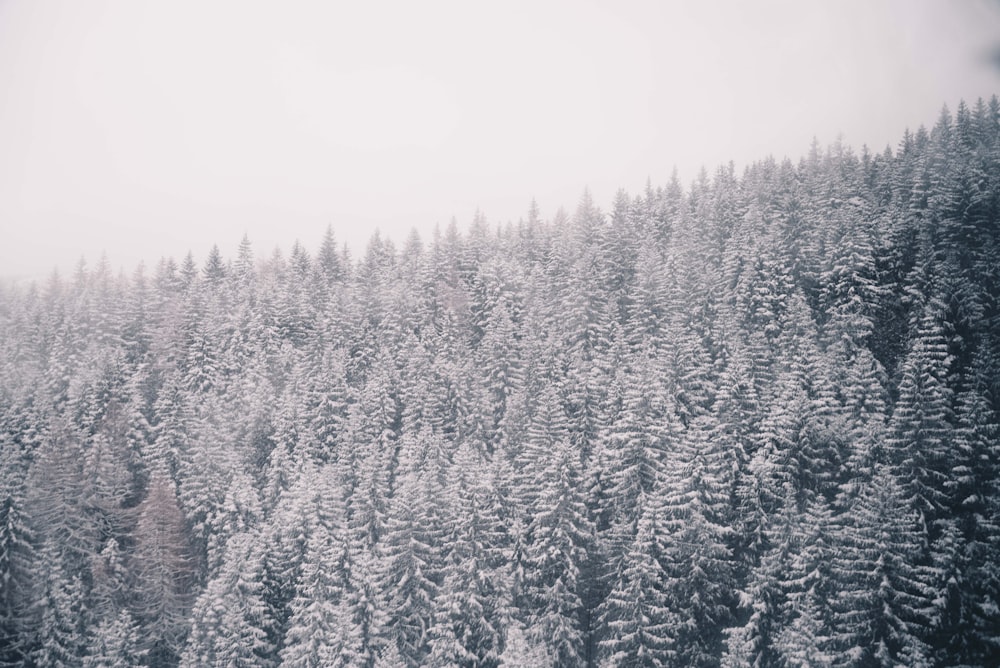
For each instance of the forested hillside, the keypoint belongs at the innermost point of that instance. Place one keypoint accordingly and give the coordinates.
(751, 421)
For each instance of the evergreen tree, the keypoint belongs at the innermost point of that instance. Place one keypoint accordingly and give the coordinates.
(115, 644)
(636, 614)
(883, 604)
(466, 630)
(164, 573)
(310, 637)
(698, 559)
(58, 633)
(559, 536)
(230, 619)
(412, 560)
(17, 554)
(921, 427)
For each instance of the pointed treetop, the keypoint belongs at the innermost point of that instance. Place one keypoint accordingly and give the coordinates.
(214, 269)
(533, 213)
(244, 258)
(327, 261)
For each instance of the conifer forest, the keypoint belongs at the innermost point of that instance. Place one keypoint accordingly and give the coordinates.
(747, 421)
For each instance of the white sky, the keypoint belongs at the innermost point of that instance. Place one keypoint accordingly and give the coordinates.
(145, 129)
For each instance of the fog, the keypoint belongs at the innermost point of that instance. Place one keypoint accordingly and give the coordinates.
(142, 129)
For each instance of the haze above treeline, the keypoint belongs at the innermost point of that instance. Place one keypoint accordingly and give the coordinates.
(277, 121)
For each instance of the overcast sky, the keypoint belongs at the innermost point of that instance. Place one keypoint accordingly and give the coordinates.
(145, 129)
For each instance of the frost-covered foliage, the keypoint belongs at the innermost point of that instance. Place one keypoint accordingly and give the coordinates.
(749, 423)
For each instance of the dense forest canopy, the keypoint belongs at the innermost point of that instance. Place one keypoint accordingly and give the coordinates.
(751, 422)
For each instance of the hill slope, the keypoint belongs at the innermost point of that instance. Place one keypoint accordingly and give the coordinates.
(751, 422)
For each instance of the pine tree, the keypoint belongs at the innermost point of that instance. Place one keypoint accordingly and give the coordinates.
(58, 633)
(337, 617)
(115, 644)
(311, 635)
(802, 642)
(698, 560)
(164, 573)
(633, 452)
(467, 610)
(214, 269)
(230, 620)
(310, 638)
(921, 427)
(327, 259)
(360, 612)
(636, 615)
(239, 512)
(411, 552)
(56, 497)
(966, 556)
(559, 535)
(17, 553)
(882, 608)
